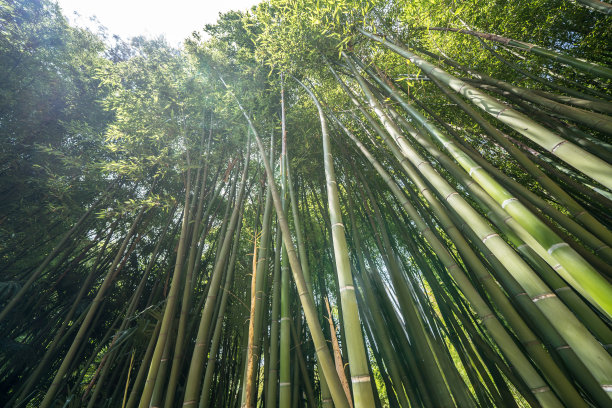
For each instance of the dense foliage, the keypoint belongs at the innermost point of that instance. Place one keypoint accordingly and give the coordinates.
(313, 203)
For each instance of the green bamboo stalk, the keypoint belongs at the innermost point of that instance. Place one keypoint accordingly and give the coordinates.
(266, 348)
(568, 152)
(581, 272)
(108, 359)
(570, 328)
(389, 387)
(548, 209)
(593, 120)
(308, 306)
(178, 357)
(475, 370)
(260, 270)
(598, 106)
(423, 265)
(335, 345)
(398, 338)
(271, 391)
(530, 200)
(284, 398)
(216, 339)
(582, 65)
(485, 314)
(546, 237)
(170, 303)
(295, 379)
(577, 98)
(374, 317)
(406, 352)
(415, 325)
(157, 397)
(588, 142)
(577, 211)
(542, 326)
(503, 221)
(410, 359)
(194, 378)
(378, 320)
(58, 339)
(89, 318)
(260, 274)
(597, 5)
(360, 379)
(303, 256)
(56, 250)
(310, 398)
(142, 370)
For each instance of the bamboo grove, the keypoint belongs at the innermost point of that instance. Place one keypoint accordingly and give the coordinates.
(315, 204)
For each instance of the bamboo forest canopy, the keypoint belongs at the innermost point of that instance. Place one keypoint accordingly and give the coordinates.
(380, 203)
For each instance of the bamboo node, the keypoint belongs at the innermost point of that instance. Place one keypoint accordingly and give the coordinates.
(607, 387)
(451, 194)
(544, 296)
(563, 347)
(485, 239)
(508, 201)
(500, 112)
(473, 169)
(531, 343)
(360, 379)
(487, 317)
(539, 390)
(347, 287)
(484, 278)
(555, 147)
(557, 246)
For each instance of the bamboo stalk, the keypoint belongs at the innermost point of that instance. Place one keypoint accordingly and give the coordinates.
(570, 153)
(360, 378)
(307, 304)
(582, 65)
(572, 330)
(194, 378)
(91, 313)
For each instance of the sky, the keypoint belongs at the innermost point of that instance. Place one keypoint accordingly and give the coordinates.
(175, 19)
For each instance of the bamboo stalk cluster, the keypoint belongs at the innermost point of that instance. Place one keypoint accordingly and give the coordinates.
(376, 254)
